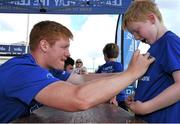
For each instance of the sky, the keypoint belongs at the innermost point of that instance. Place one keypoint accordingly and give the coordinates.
(91, 32)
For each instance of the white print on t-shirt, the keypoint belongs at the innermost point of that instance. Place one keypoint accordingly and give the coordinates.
(49, 75)
(145, 78)
(108, 69)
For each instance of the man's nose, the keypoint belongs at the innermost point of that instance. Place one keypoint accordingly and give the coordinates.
(67, 53)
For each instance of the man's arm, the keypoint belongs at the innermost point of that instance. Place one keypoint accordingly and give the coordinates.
(168, 97)
(79, 79)
(70, 97)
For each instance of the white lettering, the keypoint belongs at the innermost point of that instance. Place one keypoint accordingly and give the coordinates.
(2, 48)
(43, 2)
(129, 36)
(129, 91)
(145, 78)
(131, 47)
(49, 75)
(113, 2)
(36, 3)
(117, 2)
(47, 2)
(18, 49)
(24, 2)
(62, 3)
(108, 2)
(21, 2)
(56, 2)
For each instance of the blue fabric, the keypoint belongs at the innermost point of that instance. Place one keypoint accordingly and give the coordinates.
(159, 77)
(113, 67)
(60, 74)
(21, 79)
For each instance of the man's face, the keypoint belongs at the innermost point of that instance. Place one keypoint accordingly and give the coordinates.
(58, 53)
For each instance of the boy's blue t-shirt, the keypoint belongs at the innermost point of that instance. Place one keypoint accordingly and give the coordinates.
(159, 77)
(21, 79)
(113, 67)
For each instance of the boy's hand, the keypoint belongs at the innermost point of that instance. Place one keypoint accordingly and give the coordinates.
(138, 107)
(129, 100)
(113, 101)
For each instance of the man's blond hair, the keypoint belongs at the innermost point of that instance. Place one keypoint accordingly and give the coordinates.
(139, 10)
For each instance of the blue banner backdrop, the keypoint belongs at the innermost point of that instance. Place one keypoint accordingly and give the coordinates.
(127, 46)
(64, 6)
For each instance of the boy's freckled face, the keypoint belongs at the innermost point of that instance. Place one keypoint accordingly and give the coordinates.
(135, 29)
(140, 31)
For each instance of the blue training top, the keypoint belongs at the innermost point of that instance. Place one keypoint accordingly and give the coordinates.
(21, 79)
(113, 67)
(60, 74)
(159, 77)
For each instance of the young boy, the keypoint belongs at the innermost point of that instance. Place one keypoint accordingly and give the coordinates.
(111, 52)
(157, 95)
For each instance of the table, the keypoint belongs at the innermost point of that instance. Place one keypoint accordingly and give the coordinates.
(104, 113)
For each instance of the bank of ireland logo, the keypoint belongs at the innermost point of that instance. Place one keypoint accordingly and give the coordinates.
(145, 78)
(49, 75)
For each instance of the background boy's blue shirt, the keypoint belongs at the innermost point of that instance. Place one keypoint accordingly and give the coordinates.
(21, 79)
(110, 67)
(113, 67)
(159, 77)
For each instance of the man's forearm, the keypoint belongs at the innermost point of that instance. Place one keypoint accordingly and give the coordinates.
(104, 88)
(79, 79)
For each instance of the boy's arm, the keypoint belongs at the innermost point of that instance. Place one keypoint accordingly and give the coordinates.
(168, 97)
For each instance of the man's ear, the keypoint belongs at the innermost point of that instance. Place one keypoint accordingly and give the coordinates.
(151, 18)
(44, 45)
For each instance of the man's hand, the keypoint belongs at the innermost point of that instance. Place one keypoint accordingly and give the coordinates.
(139, 64)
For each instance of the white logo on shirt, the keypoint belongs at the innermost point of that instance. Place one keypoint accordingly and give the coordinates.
(64, 72)
(145, 78)
(49, 75)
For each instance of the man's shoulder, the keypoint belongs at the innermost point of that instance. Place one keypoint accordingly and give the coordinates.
(20, 60)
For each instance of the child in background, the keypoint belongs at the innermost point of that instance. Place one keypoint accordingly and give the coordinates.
(111, 52)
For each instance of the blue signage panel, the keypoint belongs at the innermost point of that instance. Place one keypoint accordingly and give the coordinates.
(130, 45)
(17, 49)
(127, 46)
(64, 6)
(4, 49)
(12, 49)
